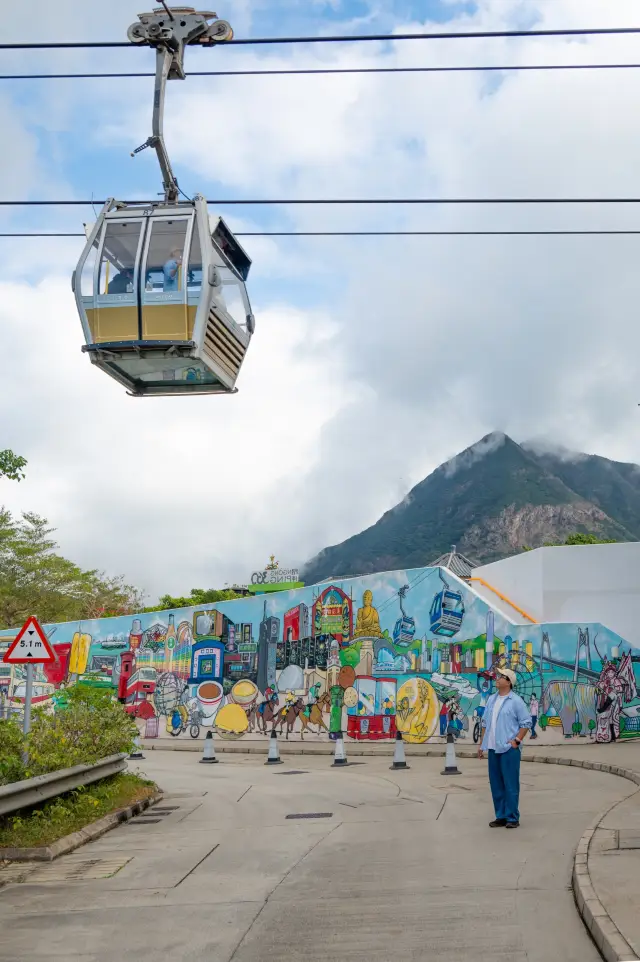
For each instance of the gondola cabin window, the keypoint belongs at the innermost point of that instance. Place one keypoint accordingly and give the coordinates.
(88, 271)
(116, 316)
(165, 256)
(194, 267)
(117, 265)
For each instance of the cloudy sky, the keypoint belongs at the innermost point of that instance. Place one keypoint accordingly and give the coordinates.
(374, 359)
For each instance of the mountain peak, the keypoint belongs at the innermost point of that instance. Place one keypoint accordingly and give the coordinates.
(491, 500)
(487, 445)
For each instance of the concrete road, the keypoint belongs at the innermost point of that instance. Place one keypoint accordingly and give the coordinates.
(404, 866)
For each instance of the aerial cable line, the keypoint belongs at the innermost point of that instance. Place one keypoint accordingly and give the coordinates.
(382, 233)
(329, 70)
(354, 38)
(293, 201)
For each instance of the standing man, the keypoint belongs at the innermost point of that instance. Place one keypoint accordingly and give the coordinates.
(505, 723)
(533, 711)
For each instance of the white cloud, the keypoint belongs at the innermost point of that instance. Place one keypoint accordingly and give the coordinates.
(375, 359)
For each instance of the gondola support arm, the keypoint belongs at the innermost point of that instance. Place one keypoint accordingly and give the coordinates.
(169, 30)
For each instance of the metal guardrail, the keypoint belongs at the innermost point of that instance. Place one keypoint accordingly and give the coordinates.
(33, 791)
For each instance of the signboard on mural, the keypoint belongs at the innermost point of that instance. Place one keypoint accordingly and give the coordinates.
(275, 576)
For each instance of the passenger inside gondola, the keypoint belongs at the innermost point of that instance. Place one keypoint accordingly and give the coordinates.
(122, 283)
(171, 271)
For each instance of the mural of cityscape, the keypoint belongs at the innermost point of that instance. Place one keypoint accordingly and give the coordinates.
(411, 651)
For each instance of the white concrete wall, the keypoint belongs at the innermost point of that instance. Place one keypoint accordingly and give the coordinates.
(579, 583)
(518, 578)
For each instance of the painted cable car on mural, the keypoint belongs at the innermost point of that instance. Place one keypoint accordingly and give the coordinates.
(163, 299)
(405, 627)
(447, 611)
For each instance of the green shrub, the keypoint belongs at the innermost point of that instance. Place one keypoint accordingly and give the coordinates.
(92, 726)
(11, 748)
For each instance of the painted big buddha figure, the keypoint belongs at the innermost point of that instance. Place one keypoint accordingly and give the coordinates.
(368, 621)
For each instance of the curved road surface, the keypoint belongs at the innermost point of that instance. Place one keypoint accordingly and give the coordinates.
(405, 867)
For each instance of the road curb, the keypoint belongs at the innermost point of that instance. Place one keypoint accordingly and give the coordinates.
(71, 842)
(608, 938)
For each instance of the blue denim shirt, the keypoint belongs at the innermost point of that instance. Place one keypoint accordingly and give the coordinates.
(513, 716)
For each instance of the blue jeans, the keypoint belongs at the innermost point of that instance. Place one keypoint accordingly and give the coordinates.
(504, 778)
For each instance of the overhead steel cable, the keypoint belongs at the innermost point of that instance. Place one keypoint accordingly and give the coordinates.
(353, 38)
(379, 233)
(504, 68)
(343, 201)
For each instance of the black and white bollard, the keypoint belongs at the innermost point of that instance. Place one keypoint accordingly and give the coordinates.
(209, 753)
(398, 754)
(450, 762)
(274, 751)
(339, 754)
(136, 751)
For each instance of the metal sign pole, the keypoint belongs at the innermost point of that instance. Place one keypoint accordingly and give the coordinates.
(27, 700)
(26, 725)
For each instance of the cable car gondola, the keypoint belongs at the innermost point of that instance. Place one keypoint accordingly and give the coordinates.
(405, 627)
(163, 299)
(447, 611)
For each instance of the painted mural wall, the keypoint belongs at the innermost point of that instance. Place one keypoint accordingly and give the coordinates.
(413, 651)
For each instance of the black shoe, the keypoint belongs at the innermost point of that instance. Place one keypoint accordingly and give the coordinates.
(498, 823)
(513, 824)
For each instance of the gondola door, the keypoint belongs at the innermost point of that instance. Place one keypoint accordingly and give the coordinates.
(113, 315)
(163, 285)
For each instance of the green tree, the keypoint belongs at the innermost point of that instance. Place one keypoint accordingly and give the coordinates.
(35, 579)
(198, 596)
(577, 537)
(592, 725)
(543, 721)
(11, 465)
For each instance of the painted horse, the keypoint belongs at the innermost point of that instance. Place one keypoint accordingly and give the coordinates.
(264, 714)
(288, 715)
(312, 714)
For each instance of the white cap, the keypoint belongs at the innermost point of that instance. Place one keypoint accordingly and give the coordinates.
(508, 673)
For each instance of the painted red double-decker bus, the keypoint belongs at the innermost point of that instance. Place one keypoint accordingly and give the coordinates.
(140, 687)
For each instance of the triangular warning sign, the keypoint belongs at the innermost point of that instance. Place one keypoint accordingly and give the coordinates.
(30, 646)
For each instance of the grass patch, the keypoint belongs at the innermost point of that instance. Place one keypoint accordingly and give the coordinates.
(72, 811)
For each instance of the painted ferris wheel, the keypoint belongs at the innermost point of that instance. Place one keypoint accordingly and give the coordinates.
(526, 670)
(170, 692)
